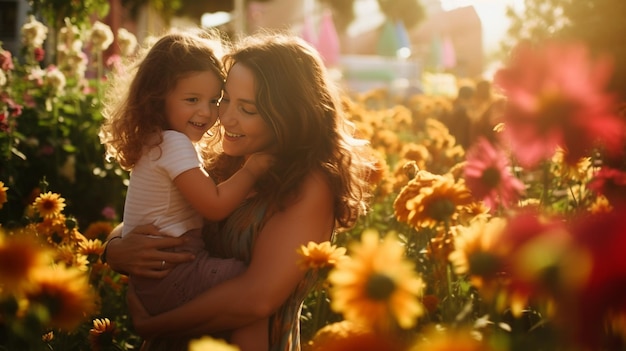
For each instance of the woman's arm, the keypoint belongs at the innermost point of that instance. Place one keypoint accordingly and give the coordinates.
(272, 275)
(139, 254)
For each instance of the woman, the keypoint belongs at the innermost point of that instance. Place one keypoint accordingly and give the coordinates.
(277, 98)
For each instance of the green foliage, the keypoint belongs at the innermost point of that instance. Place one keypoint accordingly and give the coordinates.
(81, 12)
(51, 132)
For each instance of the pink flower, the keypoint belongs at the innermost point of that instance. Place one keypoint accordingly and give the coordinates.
(114, 62)
(556, 98)
(6, 61)
(488, 177)
(14, 109)
(40, 54)
(109, 213)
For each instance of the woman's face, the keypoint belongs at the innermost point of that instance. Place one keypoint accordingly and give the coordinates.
(245, 131)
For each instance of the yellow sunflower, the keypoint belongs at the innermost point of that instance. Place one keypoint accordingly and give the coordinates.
(91, 248)
(3, 194)
(581, 171)
(475, 250)
(49, 204)
(54, 229)
(68, 255)
(65, 293)
(207, 343)
(432, 205)
(377, 287)
(316, 256)
(20, 256)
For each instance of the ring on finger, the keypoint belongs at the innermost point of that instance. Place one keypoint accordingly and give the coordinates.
(163, 265)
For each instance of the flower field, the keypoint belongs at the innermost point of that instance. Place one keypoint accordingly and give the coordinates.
(510, 243)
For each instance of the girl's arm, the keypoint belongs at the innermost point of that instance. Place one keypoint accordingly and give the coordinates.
(216, 202)
(271, 277)
(139, 254)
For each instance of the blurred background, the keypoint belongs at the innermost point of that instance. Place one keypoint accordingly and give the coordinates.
(368, 43)
(403, 45)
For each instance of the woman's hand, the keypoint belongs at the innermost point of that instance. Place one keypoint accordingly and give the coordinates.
(140, 253)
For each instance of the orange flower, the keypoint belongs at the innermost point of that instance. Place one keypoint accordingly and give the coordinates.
(49, 204)
(425, 205)
(98, 230)
(346, 335)
(53, 229)
(65, 293)
(412, 189)
(3, 194)
(20, 256)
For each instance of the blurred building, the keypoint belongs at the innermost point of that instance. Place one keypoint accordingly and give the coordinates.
(12, 18)
(446, 42)
(456, 32)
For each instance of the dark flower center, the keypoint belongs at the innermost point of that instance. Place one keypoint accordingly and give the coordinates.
(441, 209)
(379, 287)
(484, 264)
(491, 177)
(49, 205)
(554, 110)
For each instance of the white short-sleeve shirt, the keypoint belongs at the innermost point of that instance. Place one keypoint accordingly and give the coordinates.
(152, 197)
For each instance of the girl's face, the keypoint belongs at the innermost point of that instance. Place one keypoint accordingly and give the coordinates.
(191, 107)
(245, 131)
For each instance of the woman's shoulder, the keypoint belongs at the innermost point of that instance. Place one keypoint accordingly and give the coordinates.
(317, 184)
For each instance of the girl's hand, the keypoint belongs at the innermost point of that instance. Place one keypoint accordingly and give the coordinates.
(258, 163)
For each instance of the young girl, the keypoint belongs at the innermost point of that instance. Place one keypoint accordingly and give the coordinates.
(154, 130)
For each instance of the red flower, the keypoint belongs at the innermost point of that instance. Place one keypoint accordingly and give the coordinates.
(611, 183)
(556, 98)
(534, 247)
(602, 296)
(488, 177)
